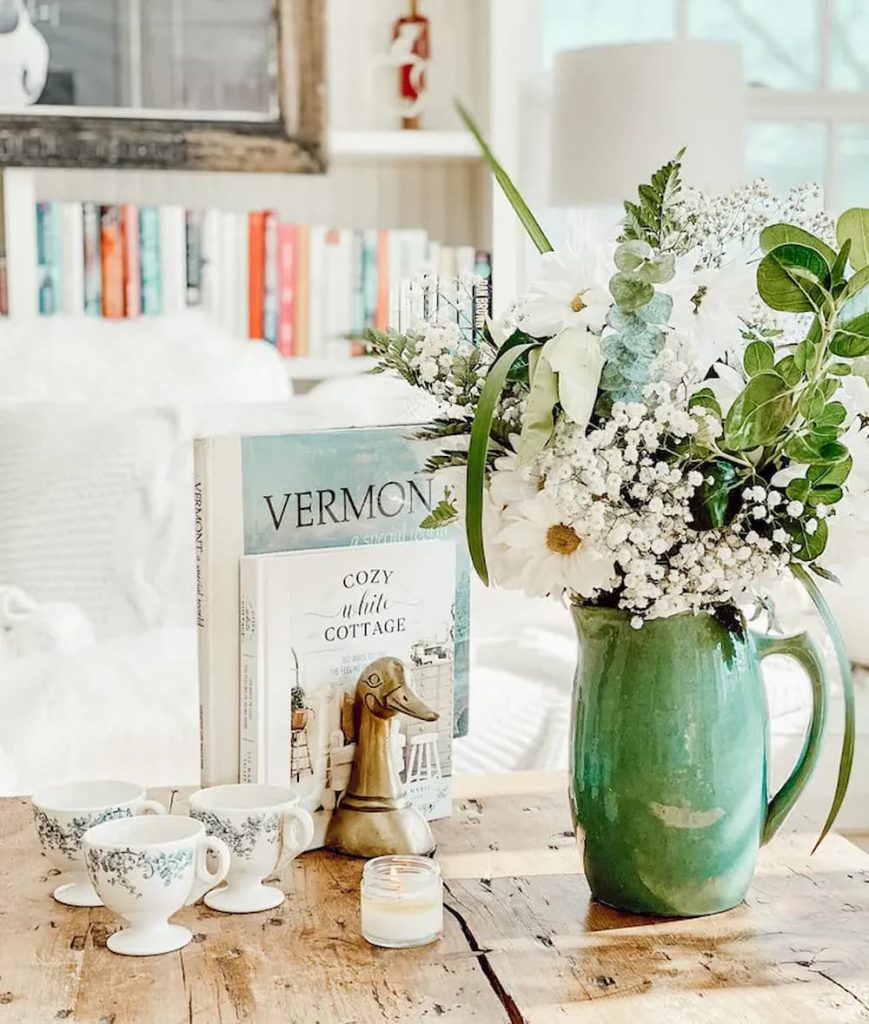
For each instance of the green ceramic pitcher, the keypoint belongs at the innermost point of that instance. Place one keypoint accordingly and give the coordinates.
(669, 748)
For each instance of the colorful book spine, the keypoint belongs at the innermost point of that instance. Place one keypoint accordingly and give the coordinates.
(112, 262)
(270, 277)
(149, 261)
(132, 260)
(286, 289)
(303, 291)
(194, 258)
(72, 260)
(93, 274)
(256, 227)
(48, 234)
(381, 315)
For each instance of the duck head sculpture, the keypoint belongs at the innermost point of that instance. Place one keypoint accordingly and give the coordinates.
(375, 816)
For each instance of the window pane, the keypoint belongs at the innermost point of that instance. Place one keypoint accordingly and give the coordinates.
(569, 24)
(853, 161)
(786, 153)
(849, 45)
(781, 41)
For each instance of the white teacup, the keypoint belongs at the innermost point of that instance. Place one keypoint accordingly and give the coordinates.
(66, 811)
(145, 869)
(263, 828)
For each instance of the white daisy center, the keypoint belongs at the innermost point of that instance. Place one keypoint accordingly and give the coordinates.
(576, 303)
(562, 539)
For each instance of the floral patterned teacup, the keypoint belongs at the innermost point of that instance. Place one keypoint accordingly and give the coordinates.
(63, 814)
(145, 869)
(263, 828)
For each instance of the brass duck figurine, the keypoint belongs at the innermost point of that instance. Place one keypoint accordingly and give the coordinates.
(375, 816)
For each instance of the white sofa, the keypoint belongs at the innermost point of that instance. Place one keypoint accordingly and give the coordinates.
(95, 525)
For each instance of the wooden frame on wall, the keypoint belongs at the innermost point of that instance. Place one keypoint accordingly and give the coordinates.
(292, 142)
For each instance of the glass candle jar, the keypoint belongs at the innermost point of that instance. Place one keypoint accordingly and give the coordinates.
(402, 901)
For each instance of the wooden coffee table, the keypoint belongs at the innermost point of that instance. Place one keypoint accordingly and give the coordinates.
(523, 942)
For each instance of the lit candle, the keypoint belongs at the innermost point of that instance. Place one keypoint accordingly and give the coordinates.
(402, 901)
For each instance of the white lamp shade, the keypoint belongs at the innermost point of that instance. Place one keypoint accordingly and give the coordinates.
(620, 112)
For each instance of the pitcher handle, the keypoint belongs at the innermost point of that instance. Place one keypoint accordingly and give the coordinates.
(803, 651)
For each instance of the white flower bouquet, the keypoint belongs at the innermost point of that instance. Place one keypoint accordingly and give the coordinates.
(667, 421)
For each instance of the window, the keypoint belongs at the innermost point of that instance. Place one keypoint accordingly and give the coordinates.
(806, 65)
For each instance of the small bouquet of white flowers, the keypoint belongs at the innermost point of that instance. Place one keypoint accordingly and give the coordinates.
(666, 421)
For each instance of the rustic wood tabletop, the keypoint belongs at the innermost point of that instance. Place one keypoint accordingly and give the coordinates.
(523, 941)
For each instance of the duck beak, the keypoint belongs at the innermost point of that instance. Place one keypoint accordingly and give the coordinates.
(403, 699)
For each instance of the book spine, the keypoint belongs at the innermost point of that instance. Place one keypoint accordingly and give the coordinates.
(317, 291)
(173, 259)
(4, 270)
(218, 530)
(381, 316)
(369, 277)
(73, 259)
(132, 261)
(270, 277)
(211, 264)
(357, 275)
(93, 292)
(150, 274)
(112, 260)
(303, 291)
(286, 289)
(193, 256)
(250, 703)
(241, 312)
(256, 272)
(48, 258)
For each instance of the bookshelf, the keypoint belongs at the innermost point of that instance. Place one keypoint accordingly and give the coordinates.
(379, 177)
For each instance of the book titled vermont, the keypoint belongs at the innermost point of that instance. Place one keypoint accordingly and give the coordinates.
(265, 494)
(311, 622)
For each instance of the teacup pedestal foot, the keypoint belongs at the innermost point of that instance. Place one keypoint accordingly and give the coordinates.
(77, 893)
(248, 899)
(149, 941)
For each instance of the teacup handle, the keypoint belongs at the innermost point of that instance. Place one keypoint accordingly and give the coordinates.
(299, 823)
(152, 807)
(205, 879)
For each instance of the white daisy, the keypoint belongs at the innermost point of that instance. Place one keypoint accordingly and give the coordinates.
(572, 289)
(553, 553)
(707, 309)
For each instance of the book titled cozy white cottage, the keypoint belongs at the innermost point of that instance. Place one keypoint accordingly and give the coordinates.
(310, 623)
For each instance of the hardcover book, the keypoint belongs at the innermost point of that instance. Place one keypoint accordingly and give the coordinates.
(291, 492)
(311, 621)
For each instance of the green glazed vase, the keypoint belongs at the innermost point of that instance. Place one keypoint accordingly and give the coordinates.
(669, 750)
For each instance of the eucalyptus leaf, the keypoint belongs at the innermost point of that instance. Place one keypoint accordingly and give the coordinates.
(853, 226)
(780, 234)
(790, 278)
(633, 254)
(758, 414)
(657, 310)
(851, 339)
(661, 269)
(629, 291)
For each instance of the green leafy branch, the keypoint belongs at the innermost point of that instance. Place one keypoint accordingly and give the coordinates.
(649, 219)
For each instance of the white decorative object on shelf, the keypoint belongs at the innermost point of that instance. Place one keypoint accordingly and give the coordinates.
(418, 145)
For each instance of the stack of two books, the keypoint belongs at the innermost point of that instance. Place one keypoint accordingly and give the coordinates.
(311, 564)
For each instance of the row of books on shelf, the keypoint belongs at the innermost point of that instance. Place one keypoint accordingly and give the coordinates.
(308, 290)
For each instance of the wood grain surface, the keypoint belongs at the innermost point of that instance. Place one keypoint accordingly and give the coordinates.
(523, 942)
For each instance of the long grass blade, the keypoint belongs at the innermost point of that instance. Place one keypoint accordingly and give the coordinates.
(478, 451)
(529, 221)
(846, 758)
